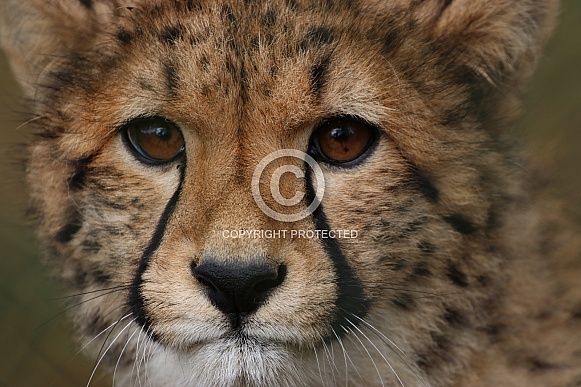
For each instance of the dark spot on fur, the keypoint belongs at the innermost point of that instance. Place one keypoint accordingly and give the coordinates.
(422, 269)
(171, 78)
(455, 318)
(424, 361)
(170, 34)
(392, 41)
(461, 224)
(97, 325)
(49, 133)
(204, 61)
(477, 104)
(484, 280)
(243, 75)
(228, 17)
(255, 42)
(100, 277)
(193, 5)
(537, 365)
(145, 84)
(91, 246)
(137, 203)
(423, 183)
(318, 76)
(87, 3)
(230, 67)
(68, 231)
(65, 77)
(453, 116)
(403, 300)
(269, 18)
(446, 3)
(576, 313)
(426, 247)
(458, 277)
(437, 353)
(117, 203)
(317, 37)
(34, 213)
(81, 167)
(80, 276)
(291, 4)
(397, 264)
(576, 382)
(124, 36)
(494, 331)
(205, 90)
(441, 342)
(415, 225)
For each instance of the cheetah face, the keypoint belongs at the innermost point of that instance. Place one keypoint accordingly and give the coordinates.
(204, 256)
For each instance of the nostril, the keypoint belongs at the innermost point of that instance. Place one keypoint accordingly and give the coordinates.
(199, 277)
(266, 284)
(204, 281)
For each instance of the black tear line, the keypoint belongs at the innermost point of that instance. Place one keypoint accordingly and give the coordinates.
(351, 300)
(136, 301)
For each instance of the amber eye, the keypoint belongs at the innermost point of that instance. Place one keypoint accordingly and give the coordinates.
(342, 140)
(156, 140)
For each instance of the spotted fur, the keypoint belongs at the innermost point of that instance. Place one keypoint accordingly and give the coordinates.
(462, 272)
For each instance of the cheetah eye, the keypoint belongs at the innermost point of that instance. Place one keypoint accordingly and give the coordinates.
(342, 141)
(155, 140)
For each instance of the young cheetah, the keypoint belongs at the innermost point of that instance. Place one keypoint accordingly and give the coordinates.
(297, 192)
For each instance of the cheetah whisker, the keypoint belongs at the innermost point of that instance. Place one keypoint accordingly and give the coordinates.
(348, 334)
(368, 354)
(147, 353)
(72, 307)
(119, 287)
(318, 364)
(135, 367)
(103, 331)
(106, 350)
(404, 357)
(345, 356)
(378, 351)
(121, 354)
(331, 360)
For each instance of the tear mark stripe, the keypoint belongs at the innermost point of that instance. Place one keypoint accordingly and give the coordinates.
(136, 300)
(351, 298)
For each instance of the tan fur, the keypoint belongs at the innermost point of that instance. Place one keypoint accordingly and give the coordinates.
(462, 272)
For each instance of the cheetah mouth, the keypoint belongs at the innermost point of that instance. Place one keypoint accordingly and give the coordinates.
(255, 336)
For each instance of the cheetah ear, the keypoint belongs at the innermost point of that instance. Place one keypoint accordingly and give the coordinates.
(36, 33)
(501, 40)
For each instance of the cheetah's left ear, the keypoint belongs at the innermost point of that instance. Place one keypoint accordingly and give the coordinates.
(36, 33)
(500, 39)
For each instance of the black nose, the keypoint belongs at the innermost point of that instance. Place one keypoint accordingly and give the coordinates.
(238, 289)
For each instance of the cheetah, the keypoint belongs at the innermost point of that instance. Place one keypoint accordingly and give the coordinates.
(297, 192)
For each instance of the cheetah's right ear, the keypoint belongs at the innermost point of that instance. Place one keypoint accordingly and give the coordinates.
(501, 40)
(36, 33)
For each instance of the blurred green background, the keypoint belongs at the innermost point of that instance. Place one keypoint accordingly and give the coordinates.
(37, 350)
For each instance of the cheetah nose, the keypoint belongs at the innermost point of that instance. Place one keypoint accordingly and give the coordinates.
(238, 289)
